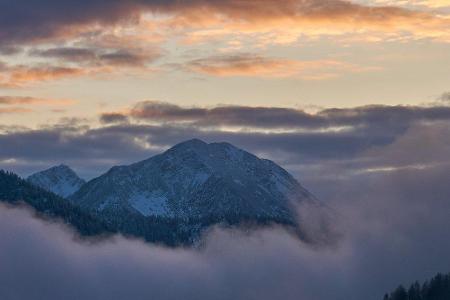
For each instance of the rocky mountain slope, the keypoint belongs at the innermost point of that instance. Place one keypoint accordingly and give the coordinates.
(60, 180)
(194, 185)
(15, 191)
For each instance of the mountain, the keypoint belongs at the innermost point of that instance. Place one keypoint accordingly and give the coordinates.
(194, 185)
(14, 190)
(60, 180)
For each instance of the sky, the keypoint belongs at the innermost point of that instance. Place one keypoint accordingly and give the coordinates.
(99, 83)
(78, 59)
(352, 98)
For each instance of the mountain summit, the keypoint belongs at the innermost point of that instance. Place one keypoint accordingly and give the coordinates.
(196, 179)
(199, 183)
(61, 180)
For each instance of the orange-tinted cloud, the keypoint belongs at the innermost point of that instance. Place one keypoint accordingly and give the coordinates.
(43, 20)
(286, 21)
(14, 110)
(17, 76)
(22, 100)
(426, 3)
(250, 65)
(74, 61)
(107, 37)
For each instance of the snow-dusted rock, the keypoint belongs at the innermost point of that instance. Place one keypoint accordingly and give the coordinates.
(196, 180)
(60, 180)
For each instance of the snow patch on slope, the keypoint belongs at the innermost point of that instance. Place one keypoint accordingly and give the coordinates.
(152, 204)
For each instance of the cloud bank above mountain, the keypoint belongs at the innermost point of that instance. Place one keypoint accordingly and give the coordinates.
(347, 140)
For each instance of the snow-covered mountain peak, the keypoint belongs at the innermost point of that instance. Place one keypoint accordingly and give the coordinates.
(191, 144)
(192, 186)
(62, 169)
(197, 180)
(61, 180)
(208, 154)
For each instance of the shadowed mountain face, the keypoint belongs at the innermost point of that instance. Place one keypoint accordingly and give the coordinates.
(196, 182)
(173, 197)
(60, 180)
(14, 190)
(196, 179)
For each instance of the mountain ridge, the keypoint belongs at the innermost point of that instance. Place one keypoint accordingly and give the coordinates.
(174, 196)
(195, 185)
(61, 180)
(15, 190)
(185, 171)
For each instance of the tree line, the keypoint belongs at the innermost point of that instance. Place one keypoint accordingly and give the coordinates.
(438, 288)
(15, 190)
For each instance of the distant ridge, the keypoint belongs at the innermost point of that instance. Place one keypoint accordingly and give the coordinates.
(15, 190)
(61, 180)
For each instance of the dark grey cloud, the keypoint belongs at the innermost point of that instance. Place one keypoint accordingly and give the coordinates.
(93, 148)
(99, 56)
(387, 114)
(25, 21)
(66, 53)
(110, 118)
(397, 117)
(301, 142)
(128, 58)
(9, 50)
(265, 117)
(445, 97)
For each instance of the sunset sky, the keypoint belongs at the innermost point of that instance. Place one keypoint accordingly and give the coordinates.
(149, 73)
(352, 98)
